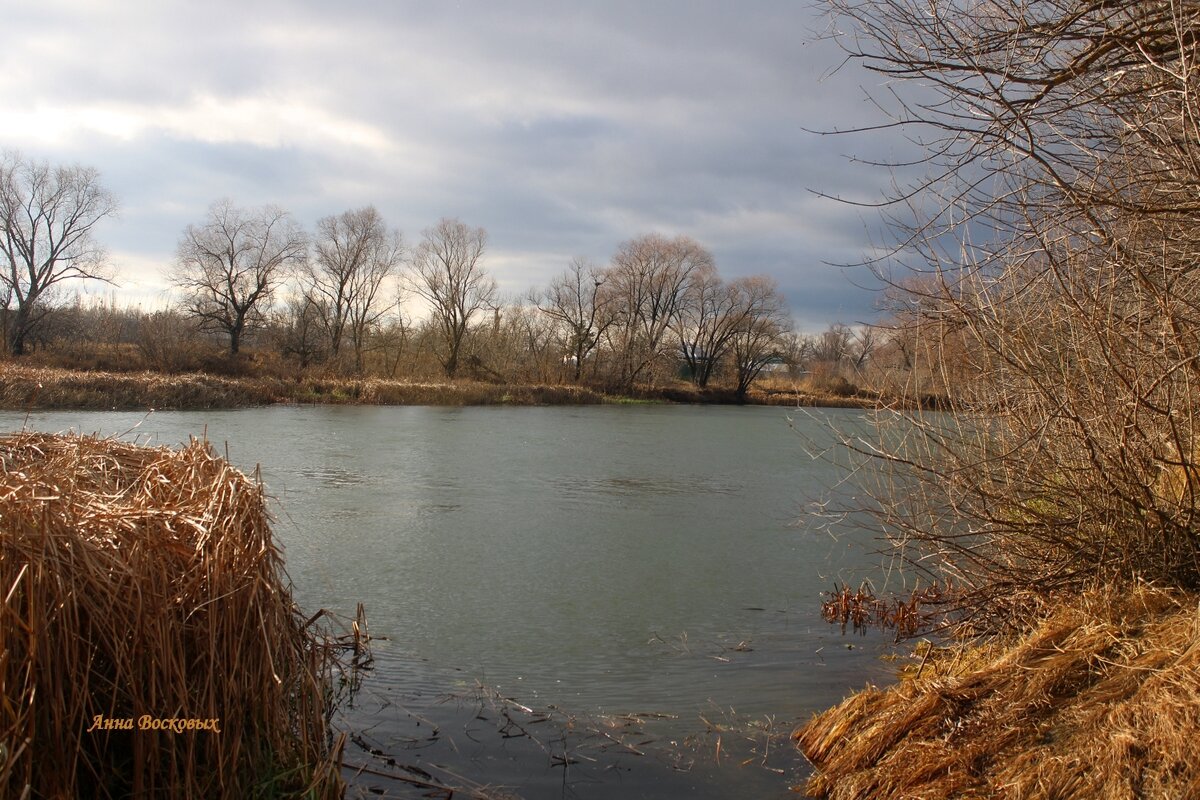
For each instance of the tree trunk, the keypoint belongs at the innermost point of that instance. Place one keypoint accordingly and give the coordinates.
(17, 331)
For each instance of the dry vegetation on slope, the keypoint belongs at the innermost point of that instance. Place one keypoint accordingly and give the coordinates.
(1098, 701)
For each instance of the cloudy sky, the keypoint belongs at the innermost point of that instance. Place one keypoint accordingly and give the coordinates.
(563, 128)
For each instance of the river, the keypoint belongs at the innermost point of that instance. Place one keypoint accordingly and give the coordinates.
(592, 602)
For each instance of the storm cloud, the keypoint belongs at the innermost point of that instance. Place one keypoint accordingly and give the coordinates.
(563, 129)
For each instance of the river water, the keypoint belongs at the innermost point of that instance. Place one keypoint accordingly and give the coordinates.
(592, 602)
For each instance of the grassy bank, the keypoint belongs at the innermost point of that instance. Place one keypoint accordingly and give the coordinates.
(24, 387)
(150, 644)
(1098, 701)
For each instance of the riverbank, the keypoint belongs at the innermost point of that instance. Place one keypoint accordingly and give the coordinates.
(1098, 701)
(23, 387)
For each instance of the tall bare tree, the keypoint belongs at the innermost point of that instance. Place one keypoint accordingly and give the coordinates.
(354, 256)
(449, 275)
(650, 275)
(48, 216)
(583, 308)
(230, 267)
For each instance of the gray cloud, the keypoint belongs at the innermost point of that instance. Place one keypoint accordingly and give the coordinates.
(562, 128)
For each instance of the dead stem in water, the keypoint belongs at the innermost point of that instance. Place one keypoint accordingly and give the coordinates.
(861, 609)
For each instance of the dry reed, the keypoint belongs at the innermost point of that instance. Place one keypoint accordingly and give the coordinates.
(1099, 701)
(144, 583)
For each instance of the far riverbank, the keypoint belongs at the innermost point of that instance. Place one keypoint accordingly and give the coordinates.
(23, 387)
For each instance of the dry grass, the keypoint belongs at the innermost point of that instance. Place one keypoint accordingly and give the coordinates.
(28, 387)
(1099, 701)
(144, 581)
(24, 387)
(375, 391)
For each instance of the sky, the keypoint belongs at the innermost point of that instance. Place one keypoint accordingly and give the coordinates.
(562, 128)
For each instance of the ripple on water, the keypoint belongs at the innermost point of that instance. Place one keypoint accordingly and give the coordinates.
(622, 486)
(334, 476)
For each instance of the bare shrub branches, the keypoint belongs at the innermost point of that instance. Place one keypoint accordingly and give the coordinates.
(1056, 235)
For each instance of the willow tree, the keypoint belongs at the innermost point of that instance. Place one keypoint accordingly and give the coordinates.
(649, 277)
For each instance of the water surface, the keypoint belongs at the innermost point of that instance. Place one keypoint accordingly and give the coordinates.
(644, 581)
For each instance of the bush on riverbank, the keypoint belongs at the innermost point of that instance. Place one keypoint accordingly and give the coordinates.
(142, 585)
(1052, 252)
(1098, 701)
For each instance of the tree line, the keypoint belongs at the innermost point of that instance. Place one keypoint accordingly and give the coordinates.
(336, 299)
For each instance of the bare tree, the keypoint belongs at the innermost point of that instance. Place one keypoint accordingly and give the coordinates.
(650, 275)
(864, 340)
(761, 336)
(833, 345)
(354, 255)
(48, 216)
(394, 334)
(709, 316)
(583, 309)
(449, 276)
(230, 267)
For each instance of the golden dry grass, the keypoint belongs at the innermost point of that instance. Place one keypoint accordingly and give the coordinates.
(145, 581)
(1100, 701)
(24, 387)
(31, 387)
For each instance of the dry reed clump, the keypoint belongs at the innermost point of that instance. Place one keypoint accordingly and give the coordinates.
(1099, 701)
(144, 583)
